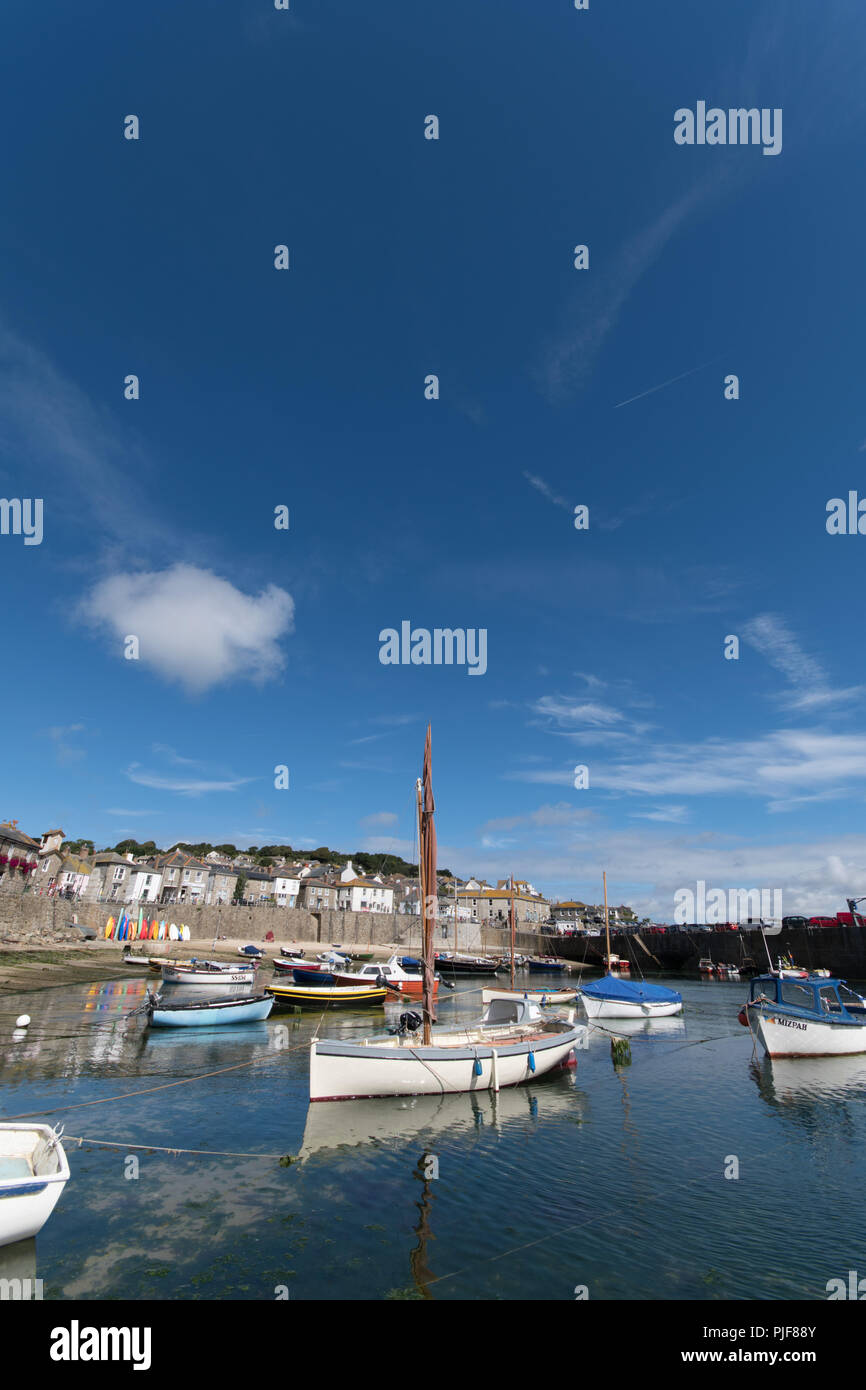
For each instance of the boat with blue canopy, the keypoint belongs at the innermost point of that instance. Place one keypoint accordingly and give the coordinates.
(811, 1017)
(614, 997)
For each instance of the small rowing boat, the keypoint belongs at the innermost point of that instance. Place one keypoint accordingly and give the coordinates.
(542, 997)
(450, 963)
(205, 973)
(327, 996)
(208, 1012)
(34, 1170)
(537, 964)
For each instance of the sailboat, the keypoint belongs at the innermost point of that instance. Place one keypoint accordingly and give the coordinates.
(511, 1043)
(537, 996)
(612, 997)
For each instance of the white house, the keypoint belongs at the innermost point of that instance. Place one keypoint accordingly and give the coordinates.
(145, 884)
(364, 895)
(286, 890)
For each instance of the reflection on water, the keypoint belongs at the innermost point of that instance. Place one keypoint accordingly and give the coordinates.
(518, 1195)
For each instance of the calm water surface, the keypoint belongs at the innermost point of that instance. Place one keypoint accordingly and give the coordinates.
(607, 1177)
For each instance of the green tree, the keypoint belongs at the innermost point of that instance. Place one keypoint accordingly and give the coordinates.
(240, 889)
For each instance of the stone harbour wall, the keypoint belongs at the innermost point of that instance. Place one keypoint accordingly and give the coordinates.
(28, 919)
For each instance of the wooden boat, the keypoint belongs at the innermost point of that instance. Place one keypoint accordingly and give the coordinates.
(251, 952)
(511, 1043)
(293, 954)
(208, 976)
(811, 1017)
(327, 996)
(540, 996)
(209, 1012)
(34, 1170)
(706, 966)
(451, 964)
(398, 980)
(537, 964)
(360, 955)
(616, 964)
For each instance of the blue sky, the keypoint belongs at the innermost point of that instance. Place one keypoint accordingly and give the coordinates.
(306, 388)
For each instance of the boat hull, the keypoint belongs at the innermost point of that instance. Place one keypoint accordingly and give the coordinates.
(329, 996)
(27, 1200)
(345, 1071)
(537, 996)
(619, 1008)
(208, 979)
(211, 1015)
(782, 1036)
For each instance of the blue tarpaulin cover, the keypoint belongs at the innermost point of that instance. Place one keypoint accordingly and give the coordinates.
(611, 987)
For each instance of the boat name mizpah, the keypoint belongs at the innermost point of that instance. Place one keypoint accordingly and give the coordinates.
(444, 646)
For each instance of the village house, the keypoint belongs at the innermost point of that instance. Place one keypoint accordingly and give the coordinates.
(110, 878)
(493, 905)
(18, 852)
(318, 894)
(286, 888)
(221, 881)
(183, 878)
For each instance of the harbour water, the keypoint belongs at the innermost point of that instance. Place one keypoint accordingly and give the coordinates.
(603, 1181)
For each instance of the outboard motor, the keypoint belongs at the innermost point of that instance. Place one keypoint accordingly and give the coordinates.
(410, 1022)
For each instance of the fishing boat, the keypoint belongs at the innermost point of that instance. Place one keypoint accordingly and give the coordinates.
(208, 1012)
(398, 980)
(811, 1017)
(706, 967)
(293, 954)
(616, 965)
(449, 963)
(329, 996)
(34, 1170)
(544, 964)
(208, 976)
(612, 997)
(511, 1043)
(251, 951)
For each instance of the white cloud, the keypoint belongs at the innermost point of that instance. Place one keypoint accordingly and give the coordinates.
(193, 626)
(379, 820)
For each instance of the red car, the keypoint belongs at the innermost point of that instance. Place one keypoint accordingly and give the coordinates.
(823, 922)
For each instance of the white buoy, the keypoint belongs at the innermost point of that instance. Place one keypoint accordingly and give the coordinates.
(23, 1021)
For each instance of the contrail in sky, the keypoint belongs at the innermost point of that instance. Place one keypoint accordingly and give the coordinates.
(663, 384)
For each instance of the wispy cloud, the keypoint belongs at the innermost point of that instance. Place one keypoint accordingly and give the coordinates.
(185, 786)
(379, 820)
(546, 491)
(770, 636)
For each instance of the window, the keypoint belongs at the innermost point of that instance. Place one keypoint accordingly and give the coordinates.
(118, 874)
(797, 995)
(829, 1003)
(763, 989)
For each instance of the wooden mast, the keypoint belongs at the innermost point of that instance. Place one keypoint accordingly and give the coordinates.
(606, 924)
(425, 997)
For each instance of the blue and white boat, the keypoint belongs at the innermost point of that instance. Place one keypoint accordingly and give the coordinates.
(33, 1172)
(208, 1013)
(613, 997)
(811, 1017)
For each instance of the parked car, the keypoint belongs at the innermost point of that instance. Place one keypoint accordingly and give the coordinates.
(823, 922)
(795, 921)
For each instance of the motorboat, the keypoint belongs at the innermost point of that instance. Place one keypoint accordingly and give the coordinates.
(206, 974)
(813, 1016)
(399, 980)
